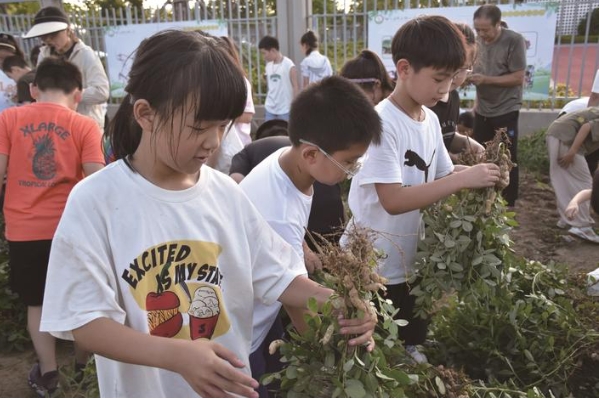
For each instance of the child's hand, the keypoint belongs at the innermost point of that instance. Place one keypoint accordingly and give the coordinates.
(571, 210)
(211, 370)
(364, 327)
(566, 160)
(482, 175)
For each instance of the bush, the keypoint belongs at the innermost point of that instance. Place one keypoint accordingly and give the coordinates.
(532, 154)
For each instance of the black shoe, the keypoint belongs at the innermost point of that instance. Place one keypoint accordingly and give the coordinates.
(44, 385)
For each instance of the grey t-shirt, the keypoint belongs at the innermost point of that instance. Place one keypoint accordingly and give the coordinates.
(566, 127)
(504, 56)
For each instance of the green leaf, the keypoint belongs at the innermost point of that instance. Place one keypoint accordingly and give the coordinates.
(401, 322)
(449, 243)
(477, 261)
(329, 359)
(348, 365)
(467, 226)
(313, 305)
(456, 223)
(401, 377)
(354, 388)
(291, 372)
(528, 355)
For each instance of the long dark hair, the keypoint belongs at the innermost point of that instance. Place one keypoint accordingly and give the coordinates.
(365, 70)
(178, 70)
(311, 40)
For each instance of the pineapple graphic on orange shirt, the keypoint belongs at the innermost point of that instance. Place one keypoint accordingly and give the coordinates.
(44, 164)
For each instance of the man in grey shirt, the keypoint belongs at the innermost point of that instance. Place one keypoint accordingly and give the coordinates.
(498, 76)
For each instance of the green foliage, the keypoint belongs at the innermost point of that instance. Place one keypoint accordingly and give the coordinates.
(594, 26)
(463, 245)
(528, 334)
(13, 314)
(578, 39)
(75, 387)
(532, 154)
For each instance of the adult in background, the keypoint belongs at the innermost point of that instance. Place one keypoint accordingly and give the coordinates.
(498, 76)
(52, 26)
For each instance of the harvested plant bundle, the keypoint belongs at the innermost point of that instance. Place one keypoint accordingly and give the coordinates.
(320, 363)
(466, 236)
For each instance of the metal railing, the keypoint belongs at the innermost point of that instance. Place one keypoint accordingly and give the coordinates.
(343, 33)
(247, 22)
(342, 26)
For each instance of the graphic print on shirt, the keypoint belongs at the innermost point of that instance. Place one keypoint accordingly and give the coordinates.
(178, 284)
(414, 160)
(43, 152)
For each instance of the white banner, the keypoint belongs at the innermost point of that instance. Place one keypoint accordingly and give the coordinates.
(122, 41)
(536, 22)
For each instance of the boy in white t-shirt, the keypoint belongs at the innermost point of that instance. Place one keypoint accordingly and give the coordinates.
(402, 174)
(332, 123)
(281, 78)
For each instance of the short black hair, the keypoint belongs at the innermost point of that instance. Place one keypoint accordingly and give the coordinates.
(467, 119)
(365, 69)
(429, 41)
(13, 61)
(488, 11)
(55, 73)
(334, 114)
(273, 127)
(268, 43)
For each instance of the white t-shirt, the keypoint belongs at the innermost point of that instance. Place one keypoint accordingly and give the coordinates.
(280, 90)
(229, 146)
(411, 153)
(316, 67)
(8, 91)
(244, 130)
(185, 264)
(286, 210)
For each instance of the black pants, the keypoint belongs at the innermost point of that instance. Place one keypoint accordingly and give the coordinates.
(484, 130)
(415, 332)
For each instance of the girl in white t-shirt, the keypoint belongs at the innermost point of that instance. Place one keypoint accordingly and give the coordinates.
(315, 66)
(158, 246)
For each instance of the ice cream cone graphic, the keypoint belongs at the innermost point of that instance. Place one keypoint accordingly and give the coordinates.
(203, 313)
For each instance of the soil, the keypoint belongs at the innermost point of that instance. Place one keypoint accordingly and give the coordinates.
(537, 237)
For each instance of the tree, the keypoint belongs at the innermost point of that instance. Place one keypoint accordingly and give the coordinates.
(594, 26)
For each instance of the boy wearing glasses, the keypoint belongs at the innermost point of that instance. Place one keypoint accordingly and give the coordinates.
(331, 125)
(402, 174)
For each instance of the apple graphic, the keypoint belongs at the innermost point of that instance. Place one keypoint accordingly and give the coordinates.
(164, 317)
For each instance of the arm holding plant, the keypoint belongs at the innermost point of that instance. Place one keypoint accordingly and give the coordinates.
(302, 289)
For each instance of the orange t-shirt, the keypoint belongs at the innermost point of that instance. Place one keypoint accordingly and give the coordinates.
(46, 145)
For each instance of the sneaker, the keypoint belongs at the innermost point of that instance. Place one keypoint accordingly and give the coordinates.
(562, 224)
(416, 355)
(586, 233)
(44, 385)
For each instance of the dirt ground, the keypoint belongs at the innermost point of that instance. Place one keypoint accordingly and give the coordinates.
(536, 237)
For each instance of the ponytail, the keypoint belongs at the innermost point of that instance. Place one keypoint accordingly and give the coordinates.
(124, 132)
(311, 40)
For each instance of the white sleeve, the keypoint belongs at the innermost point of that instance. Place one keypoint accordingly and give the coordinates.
(81, 285)
(444, 163)
(274, 262)
(96, 86)
(383, 162)
(249, 103)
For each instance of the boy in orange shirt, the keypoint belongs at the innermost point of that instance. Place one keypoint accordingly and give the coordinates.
(45, 149)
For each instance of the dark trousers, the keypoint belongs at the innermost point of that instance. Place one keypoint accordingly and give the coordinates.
(593, 161)
(261, 362)
(415, 332)
(484, 130)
